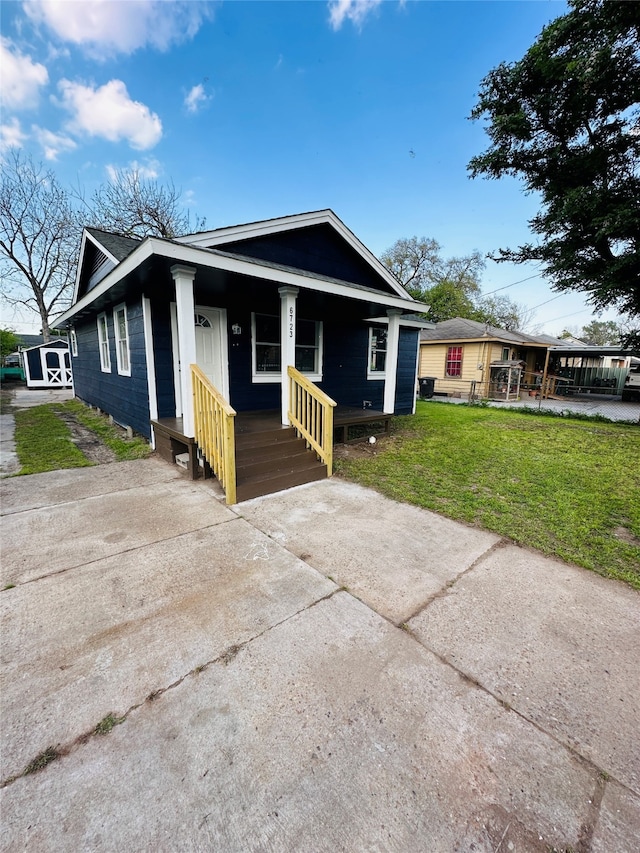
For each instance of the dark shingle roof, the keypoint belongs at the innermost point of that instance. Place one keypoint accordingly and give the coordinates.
(115, 244)
(461, 329)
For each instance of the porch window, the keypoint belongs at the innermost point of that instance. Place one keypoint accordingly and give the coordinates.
(103, 343)
(454, 361)
(267, 358)
(377, 362)
(122, 340)
(74, 342)
(266, 340)
(308, 340)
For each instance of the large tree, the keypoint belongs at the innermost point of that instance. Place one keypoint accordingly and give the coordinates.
(450, 287)
(445, 284)
(41, 224)
(565, 120)
(135, 206)
(39, 239)
(601, 333)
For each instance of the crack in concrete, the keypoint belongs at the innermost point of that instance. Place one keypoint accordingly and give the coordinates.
(124, 551)
(224, 658)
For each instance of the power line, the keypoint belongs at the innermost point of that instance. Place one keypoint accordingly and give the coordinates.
(564, 316)
(513, 284)
(553, 299)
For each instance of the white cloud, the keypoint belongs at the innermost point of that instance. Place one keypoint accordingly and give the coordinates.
(11, 135)
(196, 98)
(109, 112)
(149, 170)
(115, 26)
(22, 78)
(53, 143)
(350, 10)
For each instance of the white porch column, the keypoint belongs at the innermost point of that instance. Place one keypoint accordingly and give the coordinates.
(185, 309)
(391, 365)
(288, 296)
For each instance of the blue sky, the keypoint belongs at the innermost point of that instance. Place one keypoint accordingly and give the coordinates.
(263, 109)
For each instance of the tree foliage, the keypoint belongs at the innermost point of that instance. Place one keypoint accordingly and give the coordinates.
(450, 287)
(601, 333)
(502, 312)
(445, 284)
(39, 239)
(8, 342)
(135, 206)
(565, 120)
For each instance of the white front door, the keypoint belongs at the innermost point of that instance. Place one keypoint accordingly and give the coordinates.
(211, 346)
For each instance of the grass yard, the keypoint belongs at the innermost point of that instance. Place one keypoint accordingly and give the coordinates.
(570, 488)
(44, 441)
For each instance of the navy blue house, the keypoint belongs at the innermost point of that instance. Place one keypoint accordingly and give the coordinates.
(242, 303)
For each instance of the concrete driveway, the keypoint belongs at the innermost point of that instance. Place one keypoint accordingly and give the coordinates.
(318, 670)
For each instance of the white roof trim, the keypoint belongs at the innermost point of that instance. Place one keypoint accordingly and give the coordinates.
(211, 239)
(414, 324)
(86, 236)
(250, 267)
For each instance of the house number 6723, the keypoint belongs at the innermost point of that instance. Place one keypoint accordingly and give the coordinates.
(291, 322)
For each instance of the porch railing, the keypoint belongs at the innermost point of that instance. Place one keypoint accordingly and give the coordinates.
(214, 431)
(311, 413)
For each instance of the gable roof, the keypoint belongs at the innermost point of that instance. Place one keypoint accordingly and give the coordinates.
(100, 252)
(107, 260)
(250, 233)
(460, 329)
(117, 245)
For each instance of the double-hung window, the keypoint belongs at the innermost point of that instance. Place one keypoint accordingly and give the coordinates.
(308, 355)
(121, 328)
(267, 352)
(377, 363)
(454, 362)
(103, 343)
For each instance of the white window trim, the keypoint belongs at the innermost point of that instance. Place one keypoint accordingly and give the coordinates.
(376, 374)
(73, 339)
(122, 371)
(316, 376)
(275, 376)
(103, 343)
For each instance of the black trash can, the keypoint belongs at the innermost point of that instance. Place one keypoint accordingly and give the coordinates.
(427, 386)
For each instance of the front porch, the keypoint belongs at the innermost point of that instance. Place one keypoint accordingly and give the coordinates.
(269, 456)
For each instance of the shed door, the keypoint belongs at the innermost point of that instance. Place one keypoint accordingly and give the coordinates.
(56, 368)
(211, 346)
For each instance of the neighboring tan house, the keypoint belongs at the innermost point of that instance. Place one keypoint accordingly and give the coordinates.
(288, 321)
(457, 353)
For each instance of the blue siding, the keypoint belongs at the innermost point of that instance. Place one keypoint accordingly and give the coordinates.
(346, 349)
(318, 249)
(406, 374)
(244, 394)
(161, 330)
(126, 398)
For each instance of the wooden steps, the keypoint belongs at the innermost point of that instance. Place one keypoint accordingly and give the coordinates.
(271, 459)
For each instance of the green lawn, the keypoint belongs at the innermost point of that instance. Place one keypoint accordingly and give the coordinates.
(44, 442)
(567, 487)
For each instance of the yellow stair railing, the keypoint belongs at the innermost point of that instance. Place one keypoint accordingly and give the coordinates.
(215, 431)
(311, 413)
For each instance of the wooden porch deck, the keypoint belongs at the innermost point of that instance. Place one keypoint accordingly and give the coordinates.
(269, 456)
(343, 418)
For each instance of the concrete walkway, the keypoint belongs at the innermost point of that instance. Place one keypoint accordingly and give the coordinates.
(318, 670)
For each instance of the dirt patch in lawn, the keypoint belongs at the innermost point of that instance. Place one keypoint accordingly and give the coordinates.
(87, 441)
